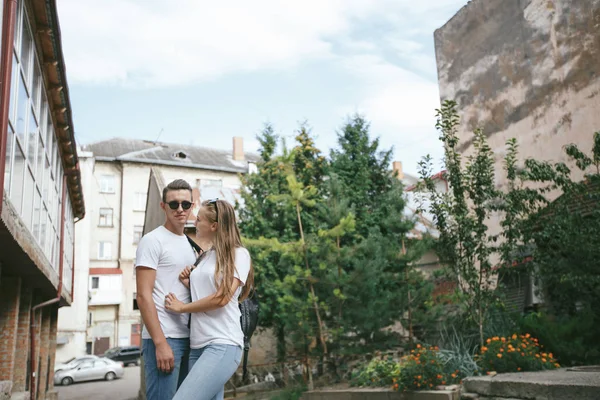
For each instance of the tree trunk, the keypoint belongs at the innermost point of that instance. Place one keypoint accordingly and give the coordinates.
(410, 321)
(312, 289)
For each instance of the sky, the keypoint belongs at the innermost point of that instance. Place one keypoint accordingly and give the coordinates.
(201, 72)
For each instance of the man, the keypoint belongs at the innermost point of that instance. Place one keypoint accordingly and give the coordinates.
(161, 255)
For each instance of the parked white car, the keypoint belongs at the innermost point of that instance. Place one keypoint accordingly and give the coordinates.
(73, 362)
(98, 369)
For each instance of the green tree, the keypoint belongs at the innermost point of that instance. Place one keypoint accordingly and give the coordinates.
(364, 172)
(461, 216)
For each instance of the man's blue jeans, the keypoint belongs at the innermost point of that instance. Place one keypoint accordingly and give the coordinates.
(160, 385)
(210, 369)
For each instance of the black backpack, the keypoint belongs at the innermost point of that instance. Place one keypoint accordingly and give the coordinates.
(249, 309)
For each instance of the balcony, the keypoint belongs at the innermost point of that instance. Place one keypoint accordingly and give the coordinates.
(106, 289)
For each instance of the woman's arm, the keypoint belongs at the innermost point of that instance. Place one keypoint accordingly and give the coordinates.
(208, 303)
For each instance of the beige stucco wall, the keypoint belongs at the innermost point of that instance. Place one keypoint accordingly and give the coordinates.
(72, 321)
(528, 70)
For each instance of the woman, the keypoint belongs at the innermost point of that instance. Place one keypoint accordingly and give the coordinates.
(223, 277)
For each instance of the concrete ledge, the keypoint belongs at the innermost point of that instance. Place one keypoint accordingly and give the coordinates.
(23, 396)
(557, 384)
(379, 394)
(5, 389)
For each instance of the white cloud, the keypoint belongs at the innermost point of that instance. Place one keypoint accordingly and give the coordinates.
(160, 43)
(401, 106)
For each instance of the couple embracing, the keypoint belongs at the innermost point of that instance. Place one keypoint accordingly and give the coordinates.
(192, 337)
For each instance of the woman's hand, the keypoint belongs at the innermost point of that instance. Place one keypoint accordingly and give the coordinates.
(184, 276)
(172, 303)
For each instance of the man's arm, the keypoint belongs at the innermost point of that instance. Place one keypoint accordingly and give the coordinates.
(145, 278)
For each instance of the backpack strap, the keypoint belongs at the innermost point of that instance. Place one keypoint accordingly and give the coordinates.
(194, 245)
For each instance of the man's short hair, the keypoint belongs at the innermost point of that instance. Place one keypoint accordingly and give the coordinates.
(177, 184)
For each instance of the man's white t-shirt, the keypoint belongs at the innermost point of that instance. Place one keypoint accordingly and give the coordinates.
(220, 326)
(168, 254)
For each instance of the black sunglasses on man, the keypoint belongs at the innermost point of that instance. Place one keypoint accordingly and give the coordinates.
(174, 205)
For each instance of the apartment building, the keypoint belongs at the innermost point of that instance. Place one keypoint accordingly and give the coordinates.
(41, 197)
(116, 175)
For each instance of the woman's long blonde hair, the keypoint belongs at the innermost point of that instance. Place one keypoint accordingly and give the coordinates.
(227, 239)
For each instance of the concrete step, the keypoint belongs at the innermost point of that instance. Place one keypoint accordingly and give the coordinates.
(557, 384)
(379, 394)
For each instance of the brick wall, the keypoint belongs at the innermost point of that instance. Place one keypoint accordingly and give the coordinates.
(10, 288)
(43, 359)
(52, 346)
(21, 356)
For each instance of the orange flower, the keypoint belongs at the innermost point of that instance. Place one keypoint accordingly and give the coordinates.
(523, 354)
(503, 340)
(454, 375)
(499, 355)
(396, 386)
(488, 341)
(514, 336)
(439, 376)
(557, 365)
(537, 356)
(527, 335)
(419, 377)
(550, 355)
(484, 349)
(501, 350)
(543, 360)
(443, 382)
(418, 346)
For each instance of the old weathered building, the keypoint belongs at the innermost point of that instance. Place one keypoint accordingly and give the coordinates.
(527, 69)
(41, 196)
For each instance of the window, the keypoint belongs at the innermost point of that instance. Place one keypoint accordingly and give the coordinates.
(137, 233)
(135, 304)
(106, 217)
(140, 201)
(104, 250)
(90, 319)
(107, 184)
(95, 285)
(32, 166)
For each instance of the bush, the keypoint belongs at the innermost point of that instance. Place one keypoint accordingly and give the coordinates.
(513, 354)
(573, 339)
(424, 369)
(378, 372)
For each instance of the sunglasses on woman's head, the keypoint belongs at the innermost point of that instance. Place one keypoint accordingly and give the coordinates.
(174, 205)
(214, 202)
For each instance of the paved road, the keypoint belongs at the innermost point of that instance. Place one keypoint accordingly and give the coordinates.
(125, 388)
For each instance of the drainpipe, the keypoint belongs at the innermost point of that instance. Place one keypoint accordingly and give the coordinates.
(8, 36)
(32, 326)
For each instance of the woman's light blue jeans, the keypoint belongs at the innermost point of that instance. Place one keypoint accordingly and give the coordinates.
(209, 369)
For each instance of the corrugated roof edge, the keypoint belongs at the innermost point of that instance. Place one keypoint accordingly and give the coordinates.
(173, 164)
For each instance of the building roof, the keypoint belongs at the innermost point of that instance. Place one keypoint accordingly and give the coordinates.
(44, 20)
(149, 152)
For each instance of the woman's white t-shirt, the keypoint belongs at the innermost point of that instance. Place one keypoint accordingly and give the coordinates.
(220, 326)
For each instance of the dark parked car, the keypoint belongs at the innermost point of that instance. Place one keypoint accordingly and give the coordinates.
(126, 354)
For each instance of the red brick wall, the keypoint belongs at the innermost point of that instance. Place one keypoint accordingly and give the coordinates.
(52, 346)
(38, 329)
(20, 368)
(10, 289)
(43, 360)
